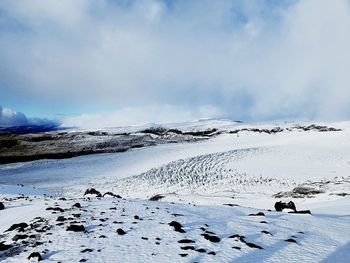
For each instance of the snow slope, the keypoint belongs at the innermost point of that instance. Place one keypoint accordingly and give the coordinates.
(217, 182)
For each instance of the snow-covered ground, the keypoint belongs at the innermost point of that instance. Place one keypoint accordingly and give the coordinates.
(217, 182)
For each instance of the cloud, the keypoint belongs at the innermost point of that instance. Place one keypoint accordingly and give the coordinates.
(141, 115)
(249, 59)
(10, 118)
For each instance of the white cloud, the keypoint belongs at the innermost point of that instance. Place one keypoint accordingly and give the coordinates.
(10, 117)
(141, 115)
(247, 58)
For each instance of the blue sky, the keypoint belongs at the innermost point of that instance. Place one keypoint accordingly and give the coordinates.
(241, 59)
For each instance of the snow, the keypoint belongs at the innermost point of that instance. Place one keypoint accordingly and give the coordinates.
(217, 182)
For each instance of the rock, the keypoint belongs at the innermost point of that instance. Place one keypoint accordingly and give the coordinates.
(55, 209)
(183, 255)
(77, 205)
(291, 240)
(257, 214)
(279, 206)
(92, 191)
(188, 248)
(211, 253)
(61, 219)
(156, 197)
(4, 247)
(211, 238)
(252, 245)
(87, 250)
(120, 232)
(76, 228)
(17, 226)
(177, 226)
(185, 241)
(111, 194)
(175, 214)
(2, 206)
(201, 250)
(19, 237)
(35, 255)
(230, 204)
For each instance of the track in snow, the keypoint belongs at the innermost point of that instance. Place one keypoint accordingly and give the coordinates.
(208, 173)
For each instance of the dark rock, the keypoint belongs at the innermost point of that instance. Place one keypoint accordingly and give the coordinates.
(257, 214)
(111, 194)
(201, 250)
(144, 238)
(188, 248)
(37, 243)
(16, 226)
(4, 247)
(102, 236)
(61, 219)
(186, 241)
(92, 191)
(279, 206)
(235, 236)
(291, 240)
(120, 231)
(183, 255)
(177, 214)
(177, 226)
(76, 228)
(55, 209)
(2, 206)
(211, 253)
(77, 205)
(252, 245)
(35, 255)
(211, 238)
(239, 248)
(266, 232)
(136, 217)
(156, 197)
(87, 250)
(19, 237)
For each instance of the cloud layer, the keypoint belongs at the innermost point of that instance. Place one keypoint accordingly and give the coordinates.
(247, 59)
(10, 118)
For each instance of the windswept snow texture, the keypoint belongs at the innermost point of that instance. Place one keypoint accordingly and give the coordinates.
(220, 192)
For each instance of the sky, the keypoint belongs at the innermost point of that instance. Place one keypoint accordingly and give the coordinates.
(123, 62)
